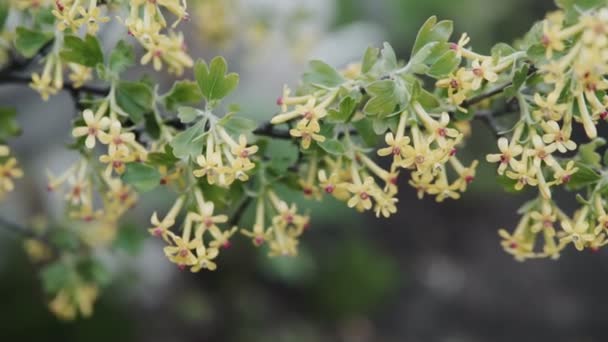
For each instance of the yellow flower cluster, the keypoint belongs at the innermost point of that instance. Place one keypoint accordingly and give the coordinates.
(78, 299)
(190, 249)
(146, 23)
(122, 148)
(308, 110)
(72, 15)
(225, 159)
(482, 69)
(586, 229)
(9, 171)
(285, 229)
(573, 70)
(79, 184)
(426, 149)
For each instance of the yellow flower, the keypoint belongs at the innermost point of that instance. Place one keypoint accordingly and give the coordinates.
(396, 146)
(577, 233)
(458, 85)
(180, 253)
(204, 257)
(549, 109)
(116, 139)
(307, 133)
(9, 171)
(94, 126)
(362, 193)
(523, 174)
(482, 71)
(559, 137)
(506, 155)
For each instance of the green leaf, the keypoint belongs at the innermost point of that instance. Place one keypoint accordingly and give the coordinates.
(187, 114)
(418, 62)
(445, 65)
(583, 177)
(151, 125)
(189, 143)
(182, 93)
(91, 270)
(507, 183)
(237, 125)
(366, 132)
(369, 59)
(29, 42)
(501, 50)
(386, 95)
(433, 31)
(332, 146)
(518, 81)
(135, 98)
(283, 154)
(213, 81)
(166, 158)
(574, 7)
(322, 74)
(121, 57)
(8, 125)
(56, 276)
(86, 52)
(143, 177)
(587, 153)
(130, 239)
(345, 112)
(3, 14)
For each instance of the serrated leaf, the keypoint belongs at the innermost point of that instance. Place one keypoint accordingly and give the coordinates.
(130, 239)
(283, 154)
(121, 57)
(135, 98)
(85, 51)
(141, 176)
(29, 42)
(365, 130)
(418, 62)
(188, 144)
(587, 153)
(386, 95)
(518, 81)
(320, 73)
(182, 93)
(166, 158)
(213, 81)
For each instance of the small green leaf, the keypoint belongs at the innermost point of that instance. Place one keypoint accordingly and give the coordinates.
(143, 177)
(322, 74)
(135, 98)
(182, 93)
(518, 81)
(56, 276)
(151, 125)
(345, 112)
(283, 154)
(445, 65)
(583, 177)
(213, 81)
(366, 131)
(369, 59)
(86, 52)
(332, 146)
(121, 57)
(189, 143)
(501, 50)
(166, 158)
(507, 184)
(29, 42)
(93, 271)
(386, 95)
(433, 31)
(587, 153)
(3, 14)
(187, 114)
(8, 125)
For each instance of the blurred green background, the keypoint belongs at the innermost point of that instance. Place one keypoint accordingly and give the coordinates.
(433, 272)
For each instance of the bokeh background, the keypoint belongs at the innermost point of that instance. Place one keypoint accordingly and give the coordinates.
(433, 272)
